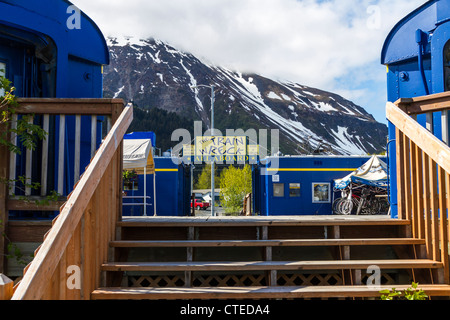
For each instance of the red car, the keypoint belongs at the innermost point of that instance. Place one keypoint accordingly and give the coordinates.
(200, 204)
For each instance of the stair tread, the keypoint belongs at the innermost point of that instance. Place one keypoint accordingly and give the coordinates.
(272, 242)
(253, 221)
(270, 265)
(258, 292)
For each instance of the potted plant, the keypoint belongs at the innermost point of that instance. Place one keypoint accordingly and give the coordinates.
(130, 177)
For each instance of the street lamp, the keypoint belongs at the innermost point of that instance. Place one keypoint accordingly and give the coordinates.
(213, 197)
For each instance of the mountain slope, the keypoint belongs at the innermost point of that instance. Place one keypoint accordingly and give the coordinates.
(153, 74)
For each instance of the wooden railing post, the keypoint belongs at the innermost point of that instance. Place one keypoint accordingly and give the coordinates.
(6, 287)
(419, 193)
(4, 152)
(443, 221)
(400, 175)
(434, 210)
(414, 187)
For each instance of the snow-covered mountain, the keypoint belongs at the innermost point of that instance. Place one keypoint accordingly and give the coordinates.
(154, 74)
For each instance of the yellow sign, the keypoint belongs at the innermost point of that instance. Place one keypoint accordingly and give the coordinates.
(253, 150)
(188, 150)
(220, 146)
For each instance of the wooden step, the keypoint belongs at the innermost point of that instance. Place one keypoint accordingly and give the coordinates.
(230, 221)
(271, 265)
(256, 292)
(267, 243)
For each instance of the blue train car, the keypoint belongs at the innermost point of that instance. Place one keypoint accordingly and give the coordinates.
(417, 57)
(300, 185)
(167, 190)
(50, 49)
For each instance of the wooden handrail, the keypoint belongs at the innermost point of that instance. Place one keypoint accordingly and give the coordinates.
(79, 205)
(423, 176)
(67, 106)
(423, 104)
(424, 139)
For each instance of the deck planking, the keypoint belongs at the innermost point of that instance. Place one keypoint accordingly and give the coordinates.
(313, 220)
(257, 292)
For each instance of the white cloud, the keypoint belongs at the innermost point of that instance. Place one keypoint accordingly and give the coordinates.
(311, 42)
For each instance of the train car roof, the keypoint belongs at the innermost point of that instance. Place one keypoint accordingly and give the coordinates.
(400, 44)
(50, 18)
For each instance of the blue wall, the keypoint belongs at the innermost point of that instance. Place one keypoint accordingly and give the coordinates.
(172, 190)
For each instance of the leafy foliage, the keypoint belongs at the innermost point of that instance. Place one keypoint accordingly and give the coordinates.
(235, 183)
(129, 176)
(28, 134)
(204, 180)
(412, 293)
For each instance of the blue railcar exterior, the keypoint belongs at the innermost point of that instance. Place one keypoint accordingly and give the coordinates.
(303, 170)
(173, 190)
(46, 56)
(80, 53)
(414, 55)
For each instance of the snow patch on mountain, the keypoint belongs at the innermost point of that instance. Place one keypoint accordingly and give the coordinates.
(152, 73)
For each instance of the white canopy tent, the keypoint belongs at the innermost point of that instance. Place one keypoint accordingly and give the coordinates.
(373, 173)
(135, 155)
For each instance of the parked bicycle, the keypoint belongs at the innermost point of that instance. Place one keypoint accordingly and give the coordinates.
(361, 199)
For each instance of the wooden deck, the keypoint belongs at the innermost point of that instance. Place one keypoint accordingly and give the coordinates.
(312, 220)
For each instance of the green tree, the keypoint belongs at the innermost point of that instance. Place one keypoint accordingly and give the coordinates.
(29, 135)
(235, 183)
(27, 132)
(204, 180)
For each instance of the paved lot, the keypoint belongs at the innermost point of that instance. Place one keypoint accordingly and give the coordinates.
(201, 213)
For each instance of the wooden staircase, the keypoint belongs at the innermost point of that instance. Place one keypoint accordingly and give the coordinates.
(92, 252)
(257, 258)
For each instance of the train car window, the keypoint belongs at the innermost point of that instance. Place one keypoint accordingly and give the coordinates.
(294, 190)
(278, 190)
(447, 66)
(321, 192)
(2, 74)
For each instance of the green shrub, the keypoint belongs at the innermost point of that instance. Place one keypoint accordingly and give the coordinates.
(412, 293)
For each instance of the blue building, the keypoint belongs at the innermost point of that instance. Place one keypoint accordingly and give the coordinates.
(417, 57)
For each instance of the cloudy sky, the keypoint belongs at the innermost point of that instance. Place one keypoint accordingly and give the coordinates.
(333, 45)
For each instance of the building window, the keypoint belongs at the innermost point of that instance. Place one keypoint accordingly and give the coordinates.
(278, 190)
(321, 192)
(294, 190)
